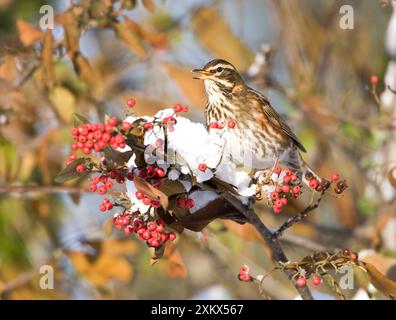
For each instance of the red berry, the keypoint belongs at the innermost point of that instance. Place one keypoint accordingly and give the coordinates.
(286, 179)
(92, 187)
(148, 126)
(374, 79)
(109, 206)
(181, 202)
(353, 256)
(153, 243)
(171, 236)
(277, 170)
(231, 124)
(102, 189)
(102, 207)
(335, 177)
(296, 189)
(284, 201)
(126, 126)
(277, 209)
(178, 107)
(128, 230)
(155, 204)
(202, 167)
(160, 172)
(131, 103)
(146, 201)
(274, 195)
(146, 235)
(151, 226)
(72, 157)
(313, 183)
(316, 280)
(112, 122)
(286, 188)
(214, 125)
(109, 184)
(190, 203)
(139, 195)
(80, 168)
(160, 228)
(278, 203)
(185, 109)
(301, 282)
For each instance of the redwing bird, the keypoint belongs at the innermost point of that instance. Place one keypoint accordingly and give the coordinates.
(260, 137)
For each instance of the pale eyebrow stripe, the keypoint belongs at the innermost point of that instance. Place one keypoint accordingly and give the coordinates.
(224, 66)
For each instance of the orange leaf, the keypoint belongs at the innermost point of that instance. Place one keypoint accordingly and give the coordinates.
(149, 5)
(27, 33)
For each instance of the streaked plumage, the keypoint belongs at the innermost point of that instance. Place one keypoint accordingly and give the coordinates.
(260, 132)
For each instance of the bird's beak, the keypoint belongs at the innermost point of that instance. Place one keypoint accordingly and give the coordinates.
(202, 74)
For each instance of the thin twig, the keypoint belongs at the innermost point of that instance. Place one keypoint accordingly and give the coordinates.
(298, 217)
(40, 189)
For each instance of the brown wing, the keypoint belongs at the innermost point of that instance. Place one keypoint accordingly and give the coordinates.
(276, 119)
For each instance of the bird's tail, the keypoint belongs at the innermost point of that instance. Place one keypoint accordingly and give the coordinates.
(305, 173)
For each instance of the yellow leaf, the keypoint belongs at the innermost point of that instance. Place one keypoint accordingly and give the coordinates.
(215, 35)
(64, 102)
(107, 264)
(27, 33)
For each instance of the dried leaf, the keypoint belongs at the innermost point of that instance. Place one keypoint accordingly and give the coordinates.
(46, 57)
(116, 157)
(127, 34)
(107, 264)
(27, 33)
(153, 193)
(243, 231)
(149, 5)
(380, 281)
(215, 34)
(171, 188)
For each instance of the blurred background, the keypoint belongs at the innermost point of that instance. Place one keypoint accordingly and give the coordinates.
(100, 53)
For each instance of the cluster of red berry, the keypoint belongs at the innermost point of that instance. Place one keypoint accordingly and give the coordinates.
(106, 205)
(316, 279)
(184, 202)
(244, 274)
(290, 186)
(153, 232)
(222, 124)
(146, 200)
(97, 136)
(179, 108)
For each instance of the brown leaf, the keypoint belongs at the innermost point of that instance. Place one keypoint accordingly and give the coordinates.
(192, 89)
(149, 5)
(244, 231)
(175, 265)
(380, 281)
(27, 33)
(127, 32)
(46, 57)
(215, 34)
(152, 192)
(107, 264)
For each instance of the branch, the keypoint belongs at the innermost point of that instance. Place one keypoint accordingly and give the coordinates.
(298, 217)
(42, 189)
(273, 244)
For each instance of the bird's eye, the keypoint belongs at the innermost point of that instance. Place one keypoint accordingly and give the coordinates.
(219, 69)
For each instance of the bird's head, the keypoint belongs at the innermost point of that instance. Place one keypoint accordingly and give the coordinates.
(219, 73)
